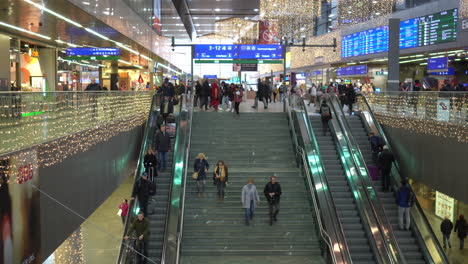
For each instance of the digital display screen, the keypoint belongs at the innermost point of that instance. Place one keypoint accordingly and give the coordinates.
(352, 70)
(438, 28)
(93, 52)
(264, 51)
(449, 71)
(437, 63)
(422, 31)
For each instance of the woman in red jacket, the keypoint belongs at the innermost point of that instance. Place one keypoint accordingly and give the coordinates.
(238, 93)
(215, 95)
(124, 207)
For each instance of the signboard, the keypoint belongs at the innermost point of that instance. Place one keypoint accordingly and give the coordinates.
(249, 67)
(447, 72)
(92, 58)
(288, 60)
(443, 110)
(268, 32)
(93, 52)
(422, 31)
(444, 205)
(352, 70)
(464, 25)
(263, 51)
(437, 63)
(210, 76)
(317, 72)
(240, 61)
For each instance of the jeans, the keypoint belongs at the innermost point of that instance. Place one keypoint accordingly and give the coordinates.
(220, 185)
(123, 219)
(201, 186)
(249, 212)
(226, 102)
(282, 97)
(162, 160)
(446, 238)
(141, 247)
(274, 208)
(404, 212)
(265, 102)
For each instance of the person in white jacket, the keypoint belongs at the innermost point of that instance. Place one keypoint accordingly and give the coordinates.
(250, 200)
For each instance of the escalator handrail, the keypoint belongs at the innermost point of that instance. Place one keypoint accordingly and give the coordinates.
(182, 102)
(370, 216)
(397, 178)
(301, 151)
(122, 252)
(367, 185)
(185, 175)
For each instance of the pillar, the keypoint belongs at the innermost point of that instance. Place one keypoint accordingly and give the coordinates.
(4, 63)
(114, 76)
(48, 62)
(18, 76)
(394, 54)
(151, 73)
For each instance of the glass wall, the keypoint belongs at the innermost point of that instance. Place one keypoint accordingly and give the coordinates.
(327, 20)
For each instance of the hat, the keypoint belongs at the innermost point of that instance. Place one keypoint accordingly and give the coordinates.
(385, 147)
(144, 174)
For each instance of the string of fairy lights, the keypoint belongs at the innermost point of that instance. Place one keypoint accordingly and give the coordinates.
(352, 12)
(71, 250)
(422, 113)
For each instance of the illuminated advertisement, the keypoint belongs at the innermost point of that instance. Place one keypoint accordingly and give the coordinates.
(268, 32)
(444, 205)
(20, 227)
(288, 59)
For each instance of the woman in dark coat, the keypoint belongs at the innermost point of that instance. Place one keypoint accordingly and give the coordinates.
(460, 229)
(201, 166)
(150, 162)
(220, 177)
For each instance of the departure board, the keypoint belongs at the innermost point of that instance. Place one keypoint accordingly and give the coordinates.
(422, 31)
(438, 28)
(264, 51)
(352, 70)
(437, 63)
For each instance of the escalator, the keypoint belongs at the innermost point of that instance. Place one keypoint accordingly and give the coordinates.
(419, 245)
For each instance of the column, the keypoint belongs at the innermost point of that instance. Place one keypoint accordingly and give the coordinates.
(151, 73)
(18, 76)
(4, 63)
(114, 76)
(394, 54)
(48, 62)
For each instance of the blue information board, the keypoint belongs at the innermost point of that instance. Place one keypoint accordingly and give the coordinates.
(93, 52)
(437, 63)
(352, 70)
(210, 76)
(264, 52)
(360, 70)
(409, 33)
(449, 71)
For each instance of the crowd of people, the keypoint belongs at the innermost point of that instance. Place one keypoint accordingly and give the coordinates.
(216, 96)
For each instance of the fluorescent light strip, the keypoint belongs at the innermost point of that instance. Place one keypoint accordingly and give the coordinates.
(41, 7)
(127, 48)
(97, 34)
(168, 68)
(125, 62)
(146, 57)
(138, 66)
(24, 30)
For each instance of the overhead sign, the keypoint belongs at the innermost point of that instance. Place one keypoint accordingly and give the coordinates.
(92, 58)
(417, 32)
(249, 67)
(352, 70)
(93, 52)
(264, 51)
(210, 76)
(240, 61)
(437, 63)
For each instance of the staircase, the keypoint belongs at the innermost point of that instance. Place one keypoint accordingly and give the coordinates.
(355, 234)
(158, 205)
(254, 145)
(406, 239)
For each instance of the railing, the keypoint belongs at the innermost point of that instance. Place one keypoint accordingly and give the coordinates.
(31, 118)
(147, 140)
(175, 219)
(391, 246)
(339, 252)
(431, 246)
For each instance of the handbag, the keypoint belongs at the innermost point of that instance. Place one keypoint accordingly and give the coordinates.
(119, 213)
(195, 175)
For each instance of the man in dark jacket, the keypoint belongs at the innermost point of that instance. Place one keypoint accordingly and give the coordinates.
(163, 145)
(350, 98)
(143, 189)
(93, 86)
(377, 144)
(198, 92)
(272, 193)
(168, 89)
(141, 227)
(262, 95)
(461, 228)
(167, 108)
(446, 228)
(404, 199)
(204, 93)
(386, 160)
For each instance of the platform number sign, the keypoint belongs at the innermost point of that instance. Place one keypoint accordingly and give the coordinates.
(25, 173)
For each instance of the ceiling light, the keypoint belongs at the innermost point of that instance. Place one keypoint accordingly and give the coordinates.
(127, 48)
(217, 9)
(146, 57)
(24, 30)
(85, 3)
(124, 62)
(256, 10)
(41, 7)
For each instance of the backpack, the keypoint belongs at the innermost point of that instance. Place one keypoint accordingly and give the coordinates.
(325, 111)
(411, 197)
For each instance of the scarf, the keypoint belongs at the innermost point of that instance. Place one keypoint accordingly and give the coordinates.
(221, 172)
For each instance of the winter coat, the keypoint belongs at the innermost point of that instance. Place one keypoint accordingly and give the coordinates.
(226, 174)
(350, 96)
(124, 208)
(403, 198)
(386, 159)
(201, 166)
(272, 188)
(460, 228)
(163, 141)
(238, 97)
(215, 91)
(143, 188)
(205, 90)
(170, 108)
(198, 89)
(446, 227)
(149, 160)
(168, 90)
(141, 228)
(249, 192)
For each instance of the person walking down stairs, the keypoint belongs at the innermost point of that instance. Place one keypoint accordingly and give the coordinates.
(201, 167)
(273, 194)
(250, 200)
(220, 178)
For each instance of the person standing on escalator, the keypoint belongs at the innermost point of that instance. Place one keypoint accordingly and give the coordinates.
(404, 199)
(385, 162)
(326, 116)
(350, 98)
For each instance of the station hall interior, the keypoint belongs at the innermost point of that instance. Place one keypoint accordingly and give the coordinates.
(233, 131)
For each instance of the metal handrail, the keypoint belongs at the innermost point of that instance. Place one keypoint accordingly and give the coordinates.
(299, 150)
(357, 159)
(122, 258)
(350, 143)
(396, 178)
(181, 219)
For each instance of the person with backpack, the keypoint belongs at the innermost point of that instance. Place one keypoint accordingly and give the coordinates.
(326, 116)
(446, 228)
(143, 190)
(377, 144)
(461, 230)
(201, 166)
(404, 199)
(386, 160)
(312, 95)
